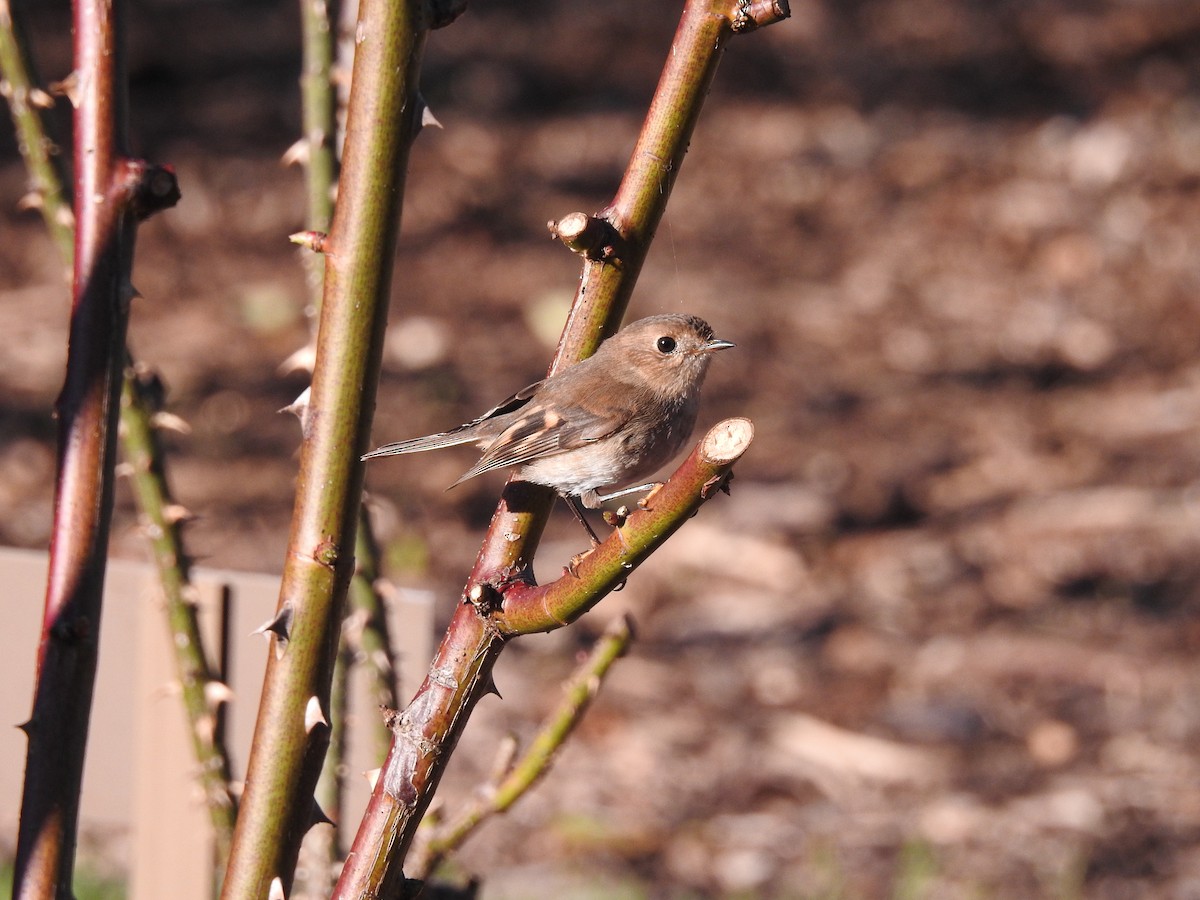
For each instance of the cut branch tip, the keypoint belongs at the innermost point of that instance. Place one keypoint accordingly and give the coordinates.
(728, 440)
(589, 236)
(751, 14)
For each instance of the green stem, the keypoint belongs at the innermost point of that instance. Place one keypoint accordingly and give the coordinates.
(18, 85)
(318, 111)
(292, 732)
(201, 686)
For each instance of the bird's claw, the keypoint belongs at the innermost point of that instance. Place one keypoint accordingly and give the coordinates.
(644, 502)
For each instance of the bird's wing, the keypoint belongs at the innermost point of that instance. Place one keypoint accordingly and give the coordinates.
(541, 430)
(466, 433)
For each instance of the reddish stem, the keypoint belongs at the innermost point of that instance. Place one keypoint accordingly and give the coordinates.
(112, 192)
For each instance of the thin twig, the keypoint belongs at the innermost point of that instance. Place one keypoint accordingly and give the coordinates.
(19, 86)
(516, 780)
(202, 690)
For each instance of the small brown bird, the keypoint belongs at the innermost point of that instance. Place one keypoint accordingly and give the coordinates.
(606, 422)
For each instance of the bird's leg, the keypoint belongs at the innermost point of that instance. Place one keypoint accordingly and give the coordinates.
(617, 517)
(574, 505)
(578, 513)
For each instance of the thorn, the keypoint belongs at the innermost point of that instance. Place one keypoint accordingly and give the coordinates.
(300, 361)
(175, 513)
(300, 405)
(317, 816)
(40, 99)
(313, 715)
(280, 626)
(428, 119)
(170, 422)
(68, 87)
(489, 686)
(372, 776)
(299, 408)
(124, 470)
(32, 200)
(191, 595)
(296, 154)
(206, 727)
(27, 727)
(276, 891)
(313, 240)
(217, 692)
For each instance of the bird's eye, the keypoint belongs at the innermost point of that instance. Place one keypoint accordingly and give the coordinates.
(665, 344)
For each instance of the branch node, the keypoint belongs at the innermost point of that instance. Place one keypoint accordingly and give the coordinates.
(326, 553)
(589, 236)
(151, 188)
(752, 14)
(484, 597)
(312, 240)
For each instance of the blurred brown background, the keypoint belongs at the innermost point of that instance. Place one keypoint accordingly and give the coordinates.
(941, 640)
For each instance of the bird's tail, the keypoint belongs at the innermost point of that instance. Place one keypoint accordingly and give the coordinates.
(430, 442)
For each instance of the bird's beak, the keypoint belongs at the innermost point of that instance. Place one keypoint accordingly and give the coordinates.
(717, 344)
